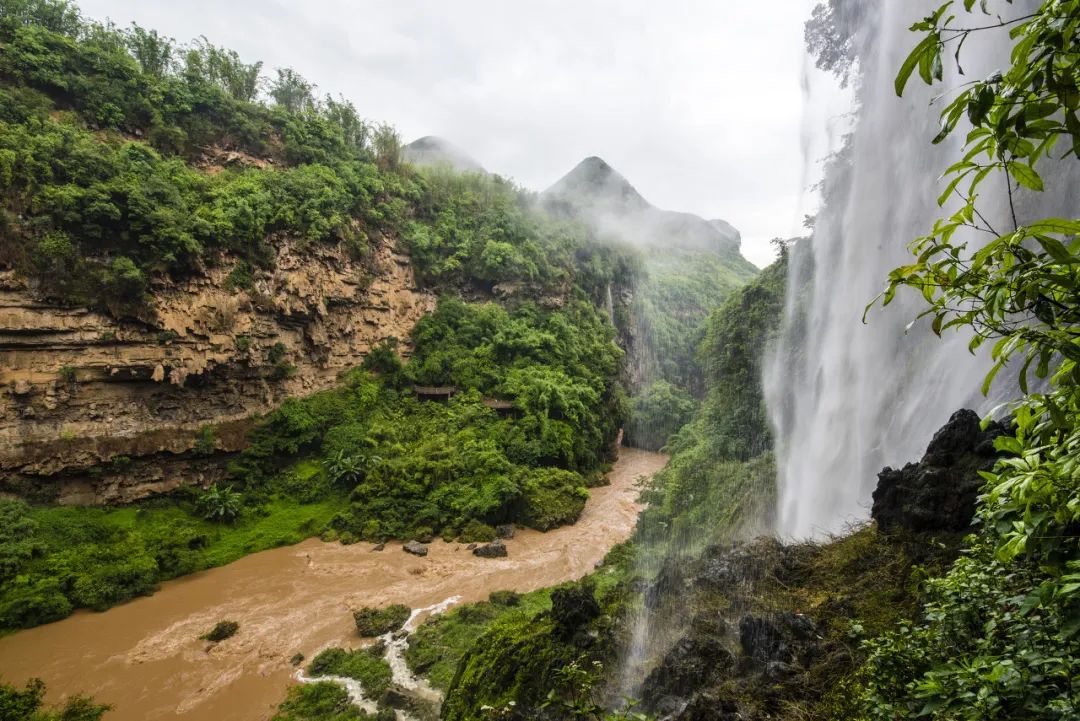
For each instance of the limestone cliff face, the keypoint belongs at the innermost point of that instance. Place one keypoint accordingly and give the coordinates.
(97, 410)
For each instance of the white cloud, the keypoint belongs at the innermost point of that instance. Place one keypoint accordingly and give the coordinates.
(697, 102)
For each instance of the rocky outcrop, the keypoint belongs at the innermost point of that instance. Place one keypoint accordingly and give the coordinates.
(99, 410)
(939, 492)
(415, 548)
(495, 549)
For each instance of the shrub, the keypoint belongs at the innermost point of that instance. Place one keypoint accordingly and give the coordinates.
(220, 504)
(221, 631)
(205, 441)
(476, 532)
(377, 621)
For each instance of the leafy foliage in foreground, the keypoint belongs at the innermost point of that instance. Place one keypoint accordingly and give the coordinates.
(1000, 636)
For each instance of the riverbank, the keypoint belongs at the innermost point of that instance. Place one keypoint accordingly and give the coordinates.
(144, 657)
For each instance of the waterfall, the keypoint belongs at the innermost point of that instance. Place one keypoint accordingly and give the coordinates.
(847, 398)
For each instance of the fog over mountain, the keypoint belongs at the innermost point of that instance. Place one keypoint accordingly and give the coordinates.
(672, 95)
(605, 199)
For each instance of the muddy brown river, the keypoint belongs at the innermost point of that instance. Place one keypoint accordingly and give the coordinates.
(144, 658)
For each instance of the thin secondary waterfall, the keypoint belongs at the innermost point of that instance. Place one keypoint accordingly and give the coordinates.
(847, 398)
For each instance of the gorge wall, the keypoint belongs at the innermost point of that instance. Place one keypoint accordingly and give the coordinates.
(99, 410)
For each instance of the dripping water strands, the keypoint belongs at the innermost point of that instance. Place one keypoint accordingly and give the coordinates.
(395, 643)
(847, 398)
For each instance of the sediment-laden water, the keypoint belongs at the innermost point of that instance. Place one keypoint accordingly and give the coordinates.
(144, 657)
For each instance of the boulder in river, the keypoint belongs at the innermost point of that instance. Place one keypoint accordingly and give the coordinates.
(415, 548)
(379, 547)
(505, 531)
(495, 549)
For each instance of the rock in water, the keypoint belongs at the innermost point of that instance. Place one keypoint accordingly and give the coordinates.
(938, 493)
(506, 531)
(415, 548)
(495, 549)
(379, 547)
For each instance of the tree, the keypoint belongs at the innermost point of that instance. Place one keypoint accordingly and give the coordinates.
(152, 51)
(291, 91)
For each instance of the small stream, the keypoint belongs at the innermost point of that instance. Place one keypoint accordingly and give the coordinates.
(144, 657)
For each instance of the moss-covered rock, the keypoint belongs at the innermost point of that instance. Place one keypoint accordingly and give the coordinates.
(377, 621)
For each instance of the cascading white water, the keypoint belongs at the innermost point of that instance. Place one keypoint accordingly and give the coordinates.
(847, 398)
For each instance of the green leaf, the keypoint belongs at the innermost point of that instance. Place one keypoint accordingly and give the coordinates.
(1025, 175)
(926, 45)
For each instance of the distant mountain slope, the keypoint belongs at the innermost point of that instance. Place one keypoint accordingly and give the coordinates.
(431, 150)
(605, 199)
(692, 264)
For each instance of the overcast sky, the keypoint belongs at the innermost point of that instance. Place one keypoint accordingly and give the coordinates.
(698, 103)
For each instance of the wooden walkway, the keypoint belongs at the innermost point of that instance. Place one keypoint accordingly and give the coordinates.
(445, 392)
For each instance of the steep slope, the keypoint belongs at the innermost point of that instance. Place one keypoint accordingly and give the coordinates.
(691, 266)
(85, 388)
(433, 151)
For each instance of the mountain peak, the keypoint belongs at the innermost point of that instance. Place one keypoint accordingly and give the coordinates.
(600, 195)
(593, 182)
(432, 150)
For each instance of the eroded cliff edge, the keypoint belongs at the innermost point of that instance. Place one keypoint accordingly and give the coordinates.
(99, 410)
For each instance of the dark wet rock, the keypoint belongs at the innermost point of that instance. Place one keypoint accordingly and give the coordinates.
(415, 548)
(505, 531)
(691, 663)
(938, 493)
(472, 546)
(572, 607)
(670, 581)
(762, 640)
(410, 702)
(709, 707)
(669, 707)
(778, 670)
(495, 549)
(426, 538)
(379, 547)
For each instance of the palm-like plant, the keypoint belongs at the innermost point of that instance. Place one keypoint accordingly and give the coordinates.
(220, 504)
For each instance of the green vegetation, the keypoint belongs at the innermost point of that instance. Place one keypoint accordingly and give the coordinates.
(721, 474)
(26, 705)
(102, 141)
(366, 665)
(517, 657)
(657, 412)
(377, 621)
(437, 647)
(221, 631)
(324, 701)
(220, 504)
(681, 289)
(126, 158)
(416, 467)
(54, 560)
